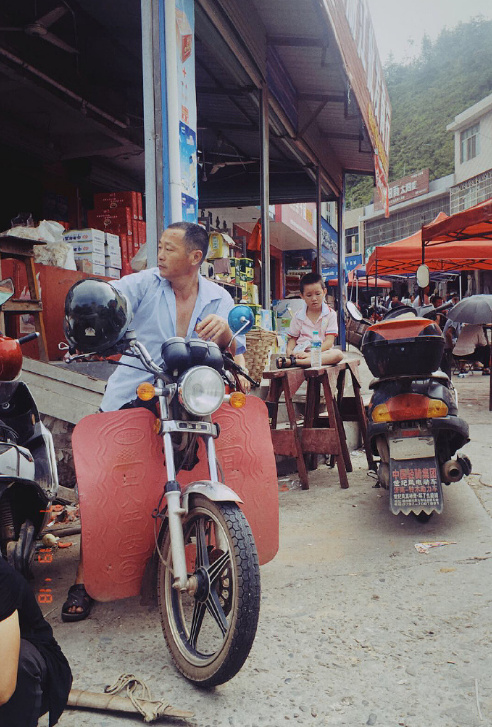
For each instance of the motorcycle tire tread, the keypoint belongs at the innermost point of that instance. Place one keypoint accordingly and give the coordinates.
(242, 634)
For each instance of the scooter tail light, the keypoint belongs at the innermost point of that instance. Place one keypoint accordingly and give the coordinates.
(405, 407)
(437, 408)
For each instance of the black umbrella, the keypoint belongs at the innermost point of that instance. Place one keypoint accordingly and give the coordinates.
(475, 309)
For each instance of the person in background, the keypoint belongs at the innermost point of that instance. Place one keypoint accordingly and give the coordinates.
(405, 298)
(395, 301)
(472, 346)
(426, 300)
(451, 332)
(34, 675)
(441, 318)
(316, 315)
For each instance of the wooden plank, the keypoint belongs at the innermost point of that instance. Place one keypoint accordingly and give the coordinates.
(320, 441)
(62, 394)
(22, 306)
(301, 466)
(284, 442)
(62, 374)
(62, 402)
(295, 377)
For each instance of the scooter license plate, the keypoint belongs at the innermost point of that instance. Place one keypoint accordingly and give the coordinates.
(415, 485)
(411, 448)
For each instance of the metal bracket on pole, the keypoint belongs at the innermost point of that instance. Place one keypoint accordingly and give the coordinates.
(265, 198)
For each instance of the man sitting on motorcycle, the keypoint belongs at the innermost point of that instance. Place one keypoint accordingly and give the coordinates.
(172, 299)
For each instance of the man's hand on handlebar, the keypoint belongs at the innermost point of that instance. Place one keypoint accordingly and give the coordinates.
(214, 328)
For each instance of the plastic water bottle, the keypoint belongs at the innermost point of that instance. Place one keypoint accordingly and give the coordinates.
(316, 351)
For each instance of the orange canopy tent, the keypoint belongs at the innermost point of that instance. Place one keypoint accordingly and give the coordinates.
(405, 256)
(371, 281)
(473, 223)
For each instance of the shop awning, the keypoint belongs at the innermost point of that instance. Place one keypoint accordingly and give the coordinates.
(473, 223)
(405, 256)
(321, 111)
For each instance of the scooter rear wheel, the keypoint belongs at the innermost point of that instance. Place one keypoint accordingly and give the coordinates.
(210, 632)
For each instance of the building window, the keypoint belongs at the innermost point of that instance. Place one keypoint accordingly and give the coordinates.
(351, 240)
(470, 143)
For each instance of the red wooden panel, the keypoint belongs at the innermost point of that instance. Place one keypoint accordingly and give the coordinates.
(120, 474)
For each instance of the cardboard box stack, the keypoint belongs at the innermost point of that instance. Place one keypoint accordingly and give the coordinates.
(120, 213)
(89, 250)
(112, 254)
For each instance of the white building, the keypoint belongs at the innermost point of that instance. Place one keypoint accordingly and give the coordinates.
(472, 156)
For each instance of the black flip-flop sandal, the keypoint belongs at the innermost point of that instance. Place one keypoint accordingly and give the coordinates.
(78, 598)
(284, 362)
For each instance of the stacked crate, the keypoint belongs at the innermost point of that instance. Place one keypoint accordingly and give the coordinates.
(112, 255)
(89, 250)
(120, 213)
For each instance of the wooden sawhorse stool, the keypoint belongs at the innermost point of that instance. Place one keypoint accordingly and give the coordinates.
(21, 249)
(286, 441)
(326, 434)
(351, 408)
(319, 434)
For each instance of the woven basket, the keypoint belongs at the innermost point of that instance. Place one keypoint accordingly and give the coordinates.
(259, 343)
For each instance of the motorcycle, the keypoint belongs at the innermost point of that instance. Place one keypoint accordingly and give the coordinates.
(205, 561)
(413, 421)
(28, 474)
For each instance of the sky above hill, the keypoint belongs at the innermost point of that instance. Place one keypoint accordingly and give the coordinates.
(400, 25)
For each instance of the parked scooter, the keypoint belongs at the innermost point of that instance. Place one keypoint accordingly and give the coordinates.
(28, 475)
(413, 421)
(208, 579)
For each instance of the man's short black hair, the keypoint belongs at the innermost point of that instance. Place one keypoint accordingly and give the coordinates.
(195, 237)
(310, 279)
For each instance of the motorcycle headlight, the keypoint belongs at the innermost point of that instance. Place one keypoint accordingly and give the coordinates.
(201, 390)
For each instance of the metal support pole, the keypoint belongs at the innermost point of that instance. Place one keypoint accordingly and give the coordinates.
(341, 270)
(152, 127)
(265, 198)
(173, 114)
(319, 235)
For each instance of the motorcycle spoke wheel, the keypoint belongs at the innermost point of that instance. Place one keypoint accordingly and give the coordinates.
(210, 632)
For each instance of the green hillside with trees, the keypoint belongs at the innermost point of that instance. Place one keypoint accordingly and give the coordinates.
(450, 74)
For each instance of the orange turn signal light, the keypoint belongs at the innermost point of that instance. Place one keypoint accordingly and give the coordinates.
(237, 399)
(145, 391)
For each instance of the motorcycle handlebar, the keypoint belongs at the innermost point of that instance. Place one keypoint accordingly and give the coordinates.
(28, 337)
(230, 363)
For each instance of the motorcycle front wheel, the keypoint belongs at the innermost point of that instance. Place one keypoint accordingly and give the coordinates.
(210, 632)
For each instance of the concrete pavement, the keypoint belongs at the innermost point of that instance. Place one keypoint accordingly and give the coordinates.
(356, 626)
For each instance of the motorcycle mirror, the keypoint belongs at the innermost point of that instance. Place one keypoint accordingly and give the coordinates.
(423, 276)
(354, 312)
(6, 290)
(240, 319)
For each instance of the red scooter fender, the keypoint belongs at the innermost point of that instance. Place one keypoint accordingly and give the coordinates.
(121, 475)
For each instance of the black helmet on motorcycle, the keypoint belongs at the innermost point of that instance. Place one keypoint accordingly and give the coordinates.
(97, 316)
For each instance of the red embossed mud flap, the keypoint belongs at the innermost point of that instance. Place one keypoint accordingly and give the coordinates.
(415, 486)
(121, 475)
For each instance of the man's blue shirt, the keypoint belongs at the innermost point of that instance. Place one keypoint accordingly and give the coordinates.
(154, 321)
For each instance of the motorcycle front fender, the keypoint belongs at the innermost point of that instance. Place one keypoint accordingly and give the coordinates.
(216, 491)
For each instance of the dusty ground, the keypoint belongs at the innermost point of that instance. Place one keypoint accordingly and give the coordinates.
(356, 627)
